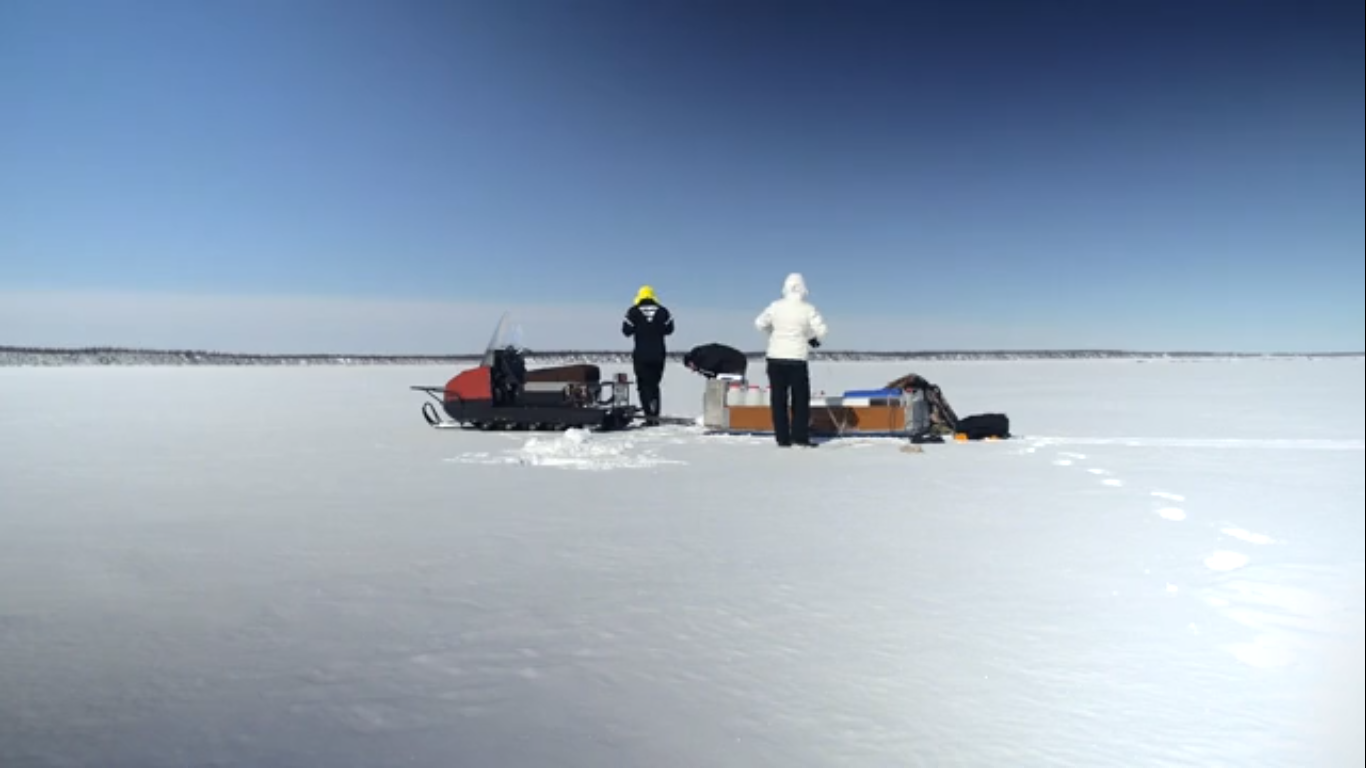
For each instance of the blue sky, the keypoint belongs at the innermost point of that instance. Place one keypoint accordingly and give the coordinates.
(388, 176)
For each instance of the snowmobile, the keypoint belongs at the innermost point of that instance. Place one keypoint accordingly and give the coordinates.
(500, 393)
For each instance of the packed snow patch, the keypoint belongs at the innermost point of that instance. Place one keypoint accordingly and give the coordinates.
(574, 449)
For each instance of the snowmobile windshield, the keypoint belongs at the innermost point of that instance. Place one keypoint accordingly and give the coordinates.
(508, 333)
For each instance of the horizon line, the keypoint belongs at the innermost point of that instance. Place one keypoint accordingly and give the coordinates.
(815, 353)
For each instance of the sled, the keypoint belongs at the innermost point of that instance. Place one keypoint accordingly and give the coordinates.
(881, 413)
(908, 407)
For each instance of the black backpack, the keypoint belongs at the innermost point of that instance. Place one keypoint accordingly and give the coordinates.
(983, 426)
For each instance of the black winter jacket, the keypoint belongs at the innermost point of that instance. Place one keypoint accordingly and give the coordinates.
(648, 323)
(713, 359)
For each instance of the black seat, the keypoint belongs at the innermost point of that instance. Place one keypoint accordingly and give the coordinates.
(507, 376)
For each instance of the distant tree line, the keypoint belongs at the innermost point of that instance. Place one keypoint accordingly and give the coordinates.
(14, 355)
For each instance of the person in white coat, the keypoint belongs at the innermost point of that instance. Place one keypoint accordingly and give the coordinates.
(794, 327)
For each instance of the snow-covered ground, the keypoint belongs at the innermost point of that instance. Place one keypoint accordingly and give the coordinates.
(286, 567)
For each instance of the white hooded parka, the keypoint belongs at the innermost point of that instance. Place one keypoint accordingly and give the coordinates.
(791, 322)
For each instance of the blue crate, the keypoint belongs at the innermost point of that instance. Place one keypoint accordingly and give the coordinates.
(892, 392)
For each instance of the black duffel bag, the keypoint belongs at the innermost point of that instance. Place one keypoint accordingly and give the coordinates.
(983, 425)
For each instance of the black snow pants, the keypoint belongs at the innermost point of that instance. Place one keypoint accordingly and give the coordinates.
(790, 378)
(649, 373)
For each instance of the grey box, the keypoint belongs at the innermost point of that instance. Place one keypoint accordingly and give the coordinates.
(715, 415)
(917, 413)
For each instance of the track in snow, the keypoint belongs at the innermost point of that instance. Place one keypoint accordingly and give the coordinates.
(1181, 442)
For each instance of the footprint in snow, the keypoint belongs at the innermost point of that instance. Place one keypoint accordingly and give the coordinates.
(1067, 458)
(1225, 560)
(1248, 536)
(1113, 482)
(1173, 513)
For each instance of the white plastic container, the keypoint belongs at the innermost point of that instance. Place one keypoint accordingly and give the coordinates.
(735, 394)
(755, 395)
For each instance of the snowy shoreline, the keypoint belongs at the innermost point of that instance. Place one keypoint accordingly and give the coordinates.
(99, 356)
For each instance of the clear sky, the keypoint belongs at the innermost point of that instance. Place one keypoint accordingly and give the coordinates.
(387, 176)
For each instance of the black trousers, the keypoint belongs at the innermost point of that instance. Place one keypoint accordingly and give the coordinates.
(648, 375)
(790, 381)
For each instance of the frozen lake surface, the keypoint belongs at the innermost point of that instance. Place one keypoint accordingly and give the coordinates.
(286, 567)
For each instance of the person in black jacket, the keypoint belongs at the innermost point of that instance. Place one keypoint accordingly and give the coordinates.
(712, 360)
(648, 322)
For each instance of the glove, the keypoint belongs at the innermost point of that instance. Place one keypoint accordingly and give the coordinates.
(813, 343)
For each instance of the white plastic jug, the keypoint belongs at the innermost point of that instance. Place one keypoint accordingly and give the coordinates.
(735, 394)
(755, 395)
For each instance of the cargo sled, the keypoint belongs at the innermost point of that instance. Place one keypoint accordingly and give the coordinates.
(500, 393)
(907, 407)
(736, 406)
